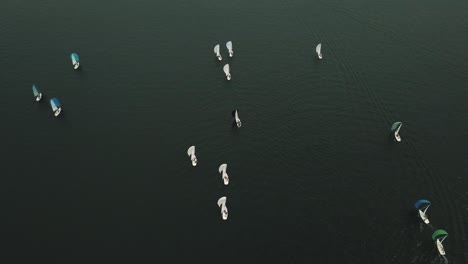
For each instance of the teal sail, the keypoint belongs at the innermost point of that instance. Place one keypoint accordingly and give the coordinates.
(55, 104)
(74, 57)
(75, 60)
(36, 91)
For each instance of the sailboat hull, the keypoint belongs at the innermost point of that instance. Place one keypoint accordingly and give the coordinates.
(397, 138)
(440, 248)
(58, 111)
(224, 215)
(424, 217)
(194, 161)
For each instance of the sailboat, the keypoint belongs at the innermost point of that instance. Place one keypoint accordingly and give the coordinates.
(216, 51)
(422, 206)
(75, 60)
(318, 49)
(56, 107)
(224, 175)
(222, 205)
(439, 236)
(236, 117)
(396, 130)
(191, 153)
(229, 47)
(36, 93)
(227, 72)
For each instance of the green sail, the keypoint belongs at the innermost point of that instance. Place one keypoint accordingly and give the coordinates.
(438, 233)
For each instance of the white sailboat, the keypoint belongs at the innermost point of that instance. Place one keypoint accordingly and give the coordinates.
(56, 107)
(224, 175)
(216, 51)
(396, 130)
(236, 117)
(36, 93)
(318, 49)
(222, 205)
(226, 70)
(229, 47)
(191, 154)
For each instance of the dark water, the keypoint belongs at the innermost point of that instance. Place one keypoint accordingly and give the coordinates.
(314, 176)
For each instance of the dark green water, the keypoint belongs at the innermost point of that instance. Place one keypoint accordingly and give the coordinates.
(314, 177)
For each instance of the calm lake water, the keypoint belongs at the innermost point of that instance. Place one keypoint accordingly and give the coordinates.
(314, 175)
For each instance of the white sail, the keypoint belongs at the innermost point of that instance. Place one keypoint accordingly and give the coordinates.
(318, 49)
(222, 168)
(238, 121)
(229, 47)
(224, 175)
(226, 70)
(216, 51)
(222, 201)
(191, 151)
(193, 157)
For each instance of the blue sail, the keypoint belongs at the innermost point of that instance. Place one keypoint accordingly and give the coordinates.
(419, 203)
(54, 102)
(35, 90)
(75, 57)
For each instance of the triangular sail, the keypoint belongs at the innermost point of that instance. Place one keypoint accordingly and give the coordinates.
(399, 127)
(229, 45)
(55, 104)
(439, 233)
(425, 209)
(396, 126)
(318, 49)
(216, 49)
(222, 201)
(236, 115)
(222, 168)
(226, 69)
(191, 151)
(422, 203)
(35, 90)
(74, 57)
